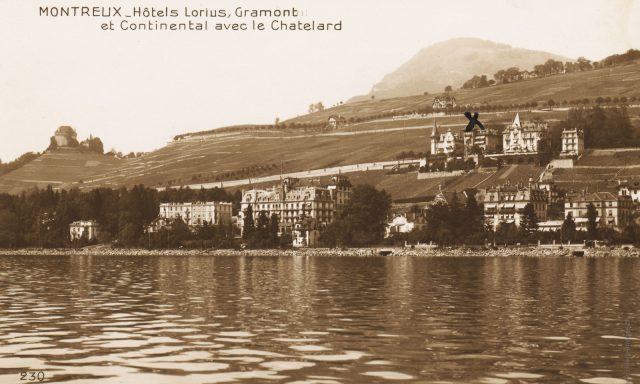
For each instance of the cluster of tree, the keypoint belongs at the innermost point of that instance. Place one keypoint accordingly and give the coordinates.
(316, 107)
(603, 127)
(41, 217)
(478, 82)
(453, 165)
(549, 68)
(410, 155)
(17, 163)
(362, 222)
(178, 234)
(262, 232)
(451, 223)
(613, 60)
(93, 144)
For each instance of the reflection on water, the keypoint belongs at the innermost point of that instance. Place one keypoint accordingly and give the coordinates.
(320, 320)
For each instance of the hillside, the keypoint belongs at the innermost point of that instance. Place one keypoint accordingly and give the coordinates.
(452, 62)
(60, 169)
(623, 80)
(215, 158)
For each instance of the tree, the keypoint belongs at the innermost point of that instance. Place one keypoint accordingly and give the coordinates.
(473, 221)
(592, 225)
(8, 228)
(529, 220)
(507, 233)
(274, 228)
(363, 221)
(316, 107)
(631, 234)
(583, 64)
(568, 229)
(53, 144)
(448, 88)
(248, 225)
(95, 145)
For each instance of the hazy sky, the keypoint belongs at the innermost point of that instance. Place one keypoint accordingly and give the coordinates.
(136, 90)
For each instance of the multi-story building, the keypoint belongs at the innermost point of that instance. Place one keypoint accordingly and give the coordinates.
(505, 204)
(340, 189)
(444, 143)
(612, 210)
(197, 213)
(630, 188)
(572, 143)
(292, 202)
(486, 139)
(523, 138)
(88, 229)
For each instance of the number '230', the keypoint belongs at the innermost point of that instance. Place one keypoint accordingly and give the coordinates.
(32, 376)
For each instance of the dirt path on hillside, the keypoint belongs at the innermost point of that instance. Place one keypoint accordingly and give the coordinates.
(374, 166)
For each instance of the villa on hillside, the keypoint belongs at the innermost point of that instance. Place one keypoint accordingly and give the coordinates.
(572, 143)
(488, 140)
(523, 138)
(336, 121)
(444, 143)
(444, 102)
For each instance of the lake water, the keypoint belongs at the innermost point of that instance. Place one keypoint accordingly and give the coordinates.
(84, 319)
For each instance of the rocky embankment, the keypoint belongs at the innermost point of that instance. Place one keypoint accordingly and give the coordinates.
(362, 252)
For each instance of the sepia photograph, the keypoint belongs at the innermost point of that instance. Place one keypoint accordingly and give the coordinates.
(319, 191)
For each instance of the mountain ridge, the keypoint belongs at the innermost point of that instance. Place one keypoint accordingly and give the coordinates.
(452, 62)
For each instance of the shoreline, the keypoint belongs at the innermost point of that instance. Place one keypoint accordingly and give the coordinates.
(533, 251)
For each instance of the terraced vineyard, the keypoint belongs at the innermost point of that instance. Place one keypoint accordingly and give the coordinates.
(62, 168)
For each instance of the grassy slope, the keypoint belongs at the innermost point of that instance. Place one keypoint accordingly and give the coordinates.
(201, 159)
(614, 82)
(59, 169)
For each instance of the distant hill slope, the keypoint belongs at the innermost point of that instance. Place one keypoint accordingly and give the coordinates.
(622, 80)
(212, 158)
(61, 168)
(452, 62)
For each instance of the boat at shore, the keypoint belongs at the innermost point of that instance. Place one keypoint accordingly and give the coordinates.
(577, 253)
